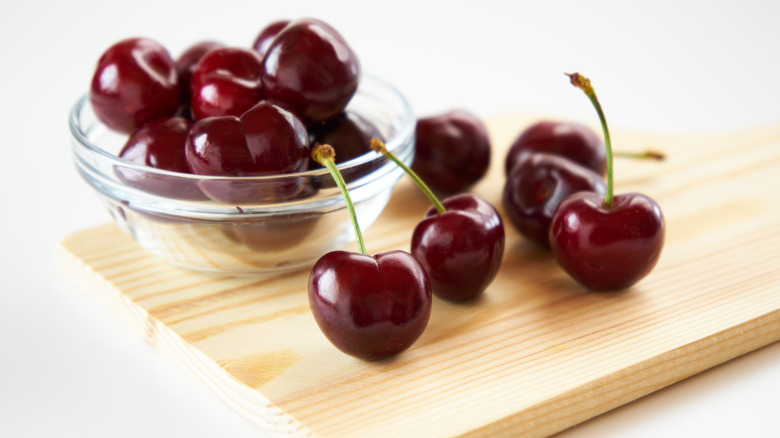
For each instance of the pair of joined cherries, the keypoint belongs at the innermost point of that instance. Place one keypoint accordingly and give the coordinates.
(373, 307)
(248, 111)
(555, 196)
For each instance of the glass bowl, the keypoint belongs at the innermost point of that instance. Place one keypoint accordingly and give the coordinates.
(245, 225)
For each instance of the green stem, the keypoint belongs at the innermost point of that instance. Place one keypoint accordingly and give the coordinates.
(324, 154)
(378, 146)
(583, 83)
(644, 155)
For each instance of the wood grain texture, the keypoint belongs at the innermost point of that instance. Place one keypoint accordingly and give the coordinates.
(533, 356)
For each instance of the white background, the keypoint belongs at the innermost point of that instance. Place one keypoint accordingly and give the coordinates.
(68, 369)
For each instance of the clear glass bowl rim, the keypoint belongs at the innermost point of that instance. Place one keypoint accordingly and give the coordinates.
(407, 122)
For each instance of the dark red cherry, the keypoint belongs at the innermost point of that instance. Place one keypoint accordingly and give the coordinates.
(607, 248)
(265, 140)
(135, 82)
(267, 35)
(160, 144)
(461, 249)
(185, 65)
(226, 82)
(536, 185)
(311, 69)
(370, 307)
(452, 151)
(606, 242)
(574, 141)
(348, 133)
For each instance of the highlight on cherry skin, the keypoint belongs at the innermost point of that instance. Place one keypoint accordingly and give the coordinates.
(265, 140)
(267, 35)
(459, 243)
(370, 307)
(606, 242)
(135, 81)
(226, 81)
(185, 65)
(311, 69)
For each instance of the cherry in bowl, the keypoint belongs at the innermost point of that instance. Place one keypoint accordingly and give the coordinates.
(135, 81)
(159, 144)
(226, 82)
(202, 234)
(310, 68)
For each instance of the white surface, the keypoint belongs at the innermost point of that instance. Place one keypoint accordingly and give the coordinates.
(68, 369)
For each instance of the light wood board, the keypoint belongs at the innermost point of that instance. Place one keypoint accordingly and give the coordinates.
(535, 355)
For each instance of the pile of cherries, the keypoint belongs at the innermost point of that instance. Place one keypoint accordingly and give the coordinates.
(555, 196)
(279, 107)
(231, 111)
(377, 306)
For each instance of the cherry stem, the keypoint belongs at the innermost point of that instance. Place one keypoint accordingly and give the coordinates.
(379, 146)
(324, 154)
(643, 155)
(583, 84)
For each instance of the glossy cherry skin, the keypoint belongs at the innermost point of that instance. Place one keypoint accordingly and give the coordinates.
(226, 82)
(574, 141)
(535, 188)
(370, 307)
(267, 35)
(310, 68)
(160, 144)
(135, 82)
(452, 151)
(185, 65)
(607, 248)
(348, 133)
(265, 140)
(460, 249)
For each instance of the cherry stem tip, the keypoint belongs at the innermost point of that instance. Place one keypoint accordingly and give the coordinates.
(379, 146)
(325, 155)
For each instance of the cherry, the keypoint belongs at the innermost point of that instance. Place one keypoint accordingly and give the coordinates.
(537, 184)
(310, 68)
(607, 248)
(226, 82)
(574, 141)
(185, 65)
(159, 144)
(267, 35)
(459, 243)
(452, 151)
(135, 81)
(460, 248)
(265, 140)
(609, 242)
(368, 307)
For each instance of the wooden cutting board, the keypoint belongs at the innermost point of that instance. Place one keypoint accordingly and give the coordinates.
(535, 355)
